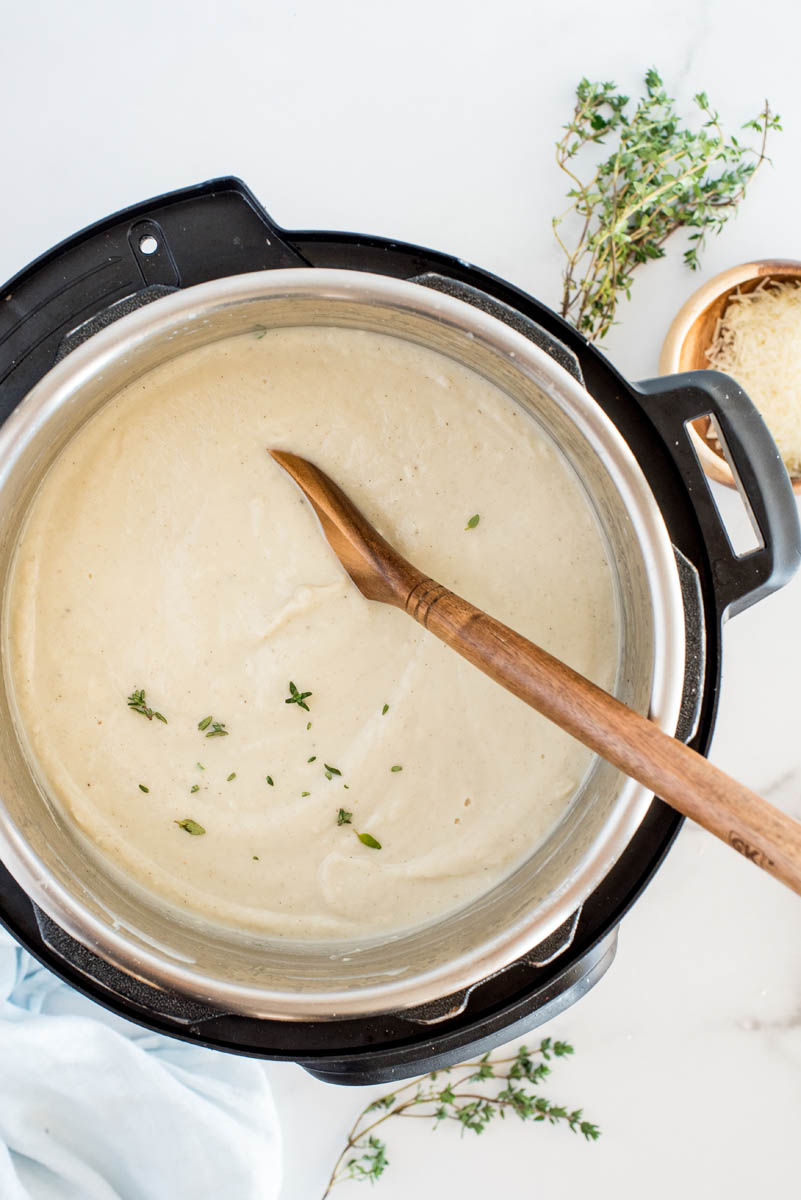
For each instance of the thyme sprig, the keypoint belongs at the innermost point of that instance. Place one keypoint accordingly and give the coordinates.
(136, 701)
(472, 1095)
(217, 730)
(662, 176)
(298, 697)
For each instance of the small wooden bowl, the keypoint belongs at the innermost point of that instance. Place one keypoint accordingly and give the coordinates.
(691, 335)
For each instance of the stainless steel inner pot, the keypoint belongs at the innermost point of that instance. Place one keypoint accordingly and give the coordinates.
(287, 980)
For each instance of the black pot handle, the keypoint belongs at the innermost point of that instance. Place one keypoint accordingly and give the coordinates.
(173, 241)
(675, 400)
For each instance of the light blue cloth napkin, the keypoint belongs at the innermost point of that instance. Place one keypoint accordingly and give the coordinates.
(95, 1108)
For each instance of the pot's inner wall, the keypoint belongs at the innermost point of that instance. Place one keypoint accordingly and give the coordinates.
(528, 902)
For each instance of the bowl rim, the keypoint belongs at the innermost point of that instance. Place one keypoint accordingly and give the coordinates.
(714, 463)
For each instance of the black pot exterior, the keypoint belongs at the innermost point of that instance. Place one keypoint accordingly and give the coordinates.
(218, 229)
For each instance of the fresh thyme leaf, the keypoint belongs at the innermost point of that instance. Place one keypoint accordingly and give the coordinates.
(142, 788)
(305, 794)
(385, 710)
(259, 332)
(371, 1163)
(474, 520)
(472, 1095)
(367, 839)
(661, 176)
(200, 765)
(191, 826)
(217, 730)
(333, 770)
(269, 779)
(231, 776)
(255, 858)
(312, 759)
(397, 767)
(344, 817)
(308, 726)
(136, 701)
(297, 697)
(195, 787)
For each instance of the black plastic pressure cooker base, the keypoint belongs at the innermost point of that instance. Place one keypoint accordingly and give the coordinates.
(218, 229)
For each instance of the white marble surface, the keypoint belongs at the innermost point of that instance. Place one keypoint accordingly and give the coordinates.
(434, 122)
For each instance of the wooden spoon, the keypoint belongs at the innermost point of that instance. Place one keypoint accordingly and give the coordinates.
(685, 779)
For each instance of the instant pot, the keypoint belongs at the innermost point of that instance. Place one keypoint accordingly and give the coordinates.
(406, 1004)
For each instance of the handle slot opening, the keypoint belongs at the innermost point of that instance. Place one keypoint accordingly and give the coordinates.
(732, 504)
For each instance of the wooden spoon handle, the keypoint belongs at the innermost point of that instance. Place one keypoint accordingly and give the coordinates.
(668, 768)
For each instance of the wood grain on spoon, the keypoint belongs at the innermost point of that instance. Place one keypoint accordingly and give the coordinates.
(685, 779)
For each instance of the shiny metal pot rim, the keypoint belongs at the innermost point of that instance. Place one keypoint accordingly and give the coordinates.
(334, 981)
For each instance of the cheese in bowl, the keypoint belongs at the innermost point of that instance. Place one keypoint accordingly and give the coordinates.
(204, 693)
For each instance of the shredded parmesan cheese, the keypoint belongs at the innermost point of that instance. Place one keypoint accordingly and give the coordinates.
(758, 342)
